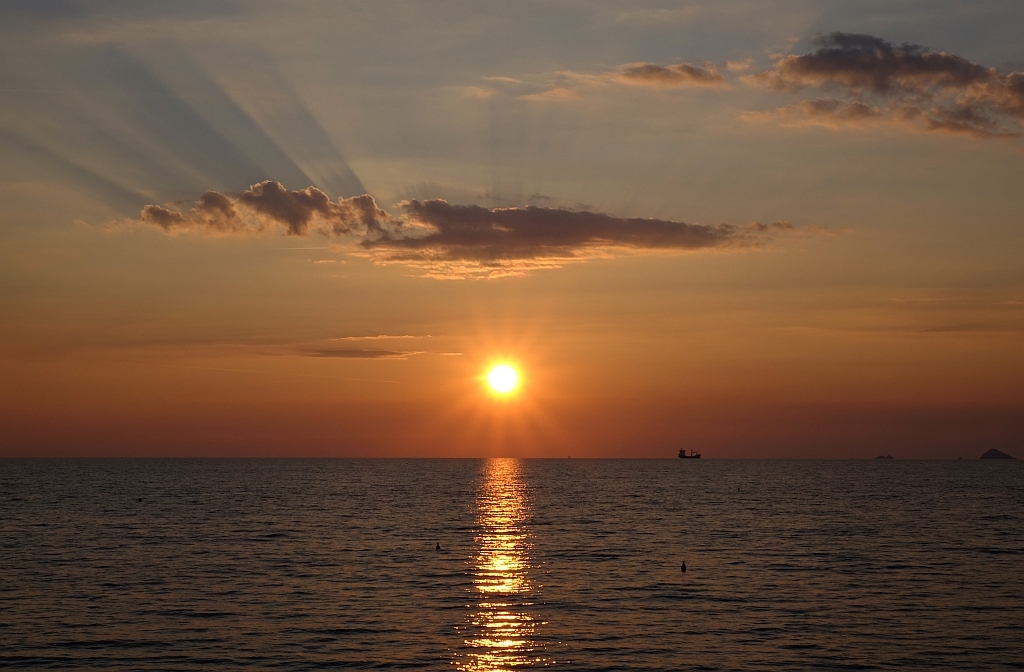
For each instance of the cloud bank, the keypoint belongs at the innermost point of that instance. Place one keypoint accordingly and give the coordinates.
(908, 84)
(445, 240)
(857, 80)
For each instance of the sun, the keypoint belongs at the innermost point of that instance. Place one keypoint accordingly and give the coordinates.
(503, 379)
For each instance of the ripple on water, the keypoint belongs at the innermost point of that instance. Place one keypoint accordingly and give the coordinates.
(307, 564)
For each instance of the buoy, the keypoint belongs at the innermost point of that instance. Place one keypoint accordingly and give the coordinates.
(683, 568)
(438, 547)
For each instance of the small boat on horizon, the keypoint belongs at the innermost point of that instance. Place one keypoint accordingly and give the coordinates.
(692, 456)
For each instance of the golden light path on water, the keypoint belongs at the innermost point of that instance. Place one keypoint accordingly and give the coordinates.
(500, 631)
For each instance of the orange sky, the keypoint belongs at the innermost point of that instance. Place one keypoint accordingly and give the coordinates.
(309, 230)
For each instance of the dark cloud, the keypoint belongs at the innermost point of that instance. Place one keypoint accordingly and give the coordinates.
(475, 232)
(865, 62)
(469, 240)
(294, 209)
(449, 240)
(267, 206)
(681, 74)
(926, 89)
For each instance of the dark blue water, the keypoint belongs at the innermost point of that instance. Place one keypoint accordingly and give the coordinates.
(309, 564)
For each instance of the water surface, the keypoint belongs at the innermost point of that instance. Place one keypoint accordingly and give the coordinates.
(575, 564)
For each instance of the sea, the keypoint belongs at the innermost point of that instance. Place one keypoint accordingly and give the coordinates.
(508, 564)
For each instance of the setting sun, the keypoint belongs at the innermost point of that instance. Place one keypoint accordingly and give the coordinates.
(503, 379)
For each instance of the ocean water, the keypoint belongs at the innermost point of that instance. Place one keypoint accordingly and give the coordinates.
(574, 564)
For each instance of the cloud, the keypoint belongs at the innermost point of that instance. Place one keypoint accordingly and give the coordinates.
(907, 84)
(828, 112)
(359, 353)
(378, 337)
(553, 94)
(296, 209)
(450, 240)
(367, 353)
(836, 109)
(679, 75)
(266, 206)
(868, 63)
(447, 240)
(568, 85)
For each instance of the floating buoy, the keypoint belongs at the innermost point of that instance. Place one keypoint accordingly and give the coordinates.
(438, 547)
(683, 568)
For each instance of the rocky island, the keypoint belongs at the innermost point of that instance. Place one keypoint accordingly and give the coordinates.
(996, 455)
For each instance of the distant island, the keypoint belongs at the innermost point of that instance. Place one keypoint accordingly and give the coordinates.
(885, 457)
(996, 455)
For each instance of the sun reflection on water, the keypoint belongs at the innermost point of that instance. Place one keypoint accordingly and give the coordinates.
(500, 632)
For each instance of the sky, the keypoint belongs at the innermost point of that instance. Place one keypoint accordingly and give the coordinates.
(755, 230)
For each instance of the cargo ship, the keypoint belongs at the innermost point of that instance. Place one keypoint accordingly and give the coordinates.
(692, 456)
